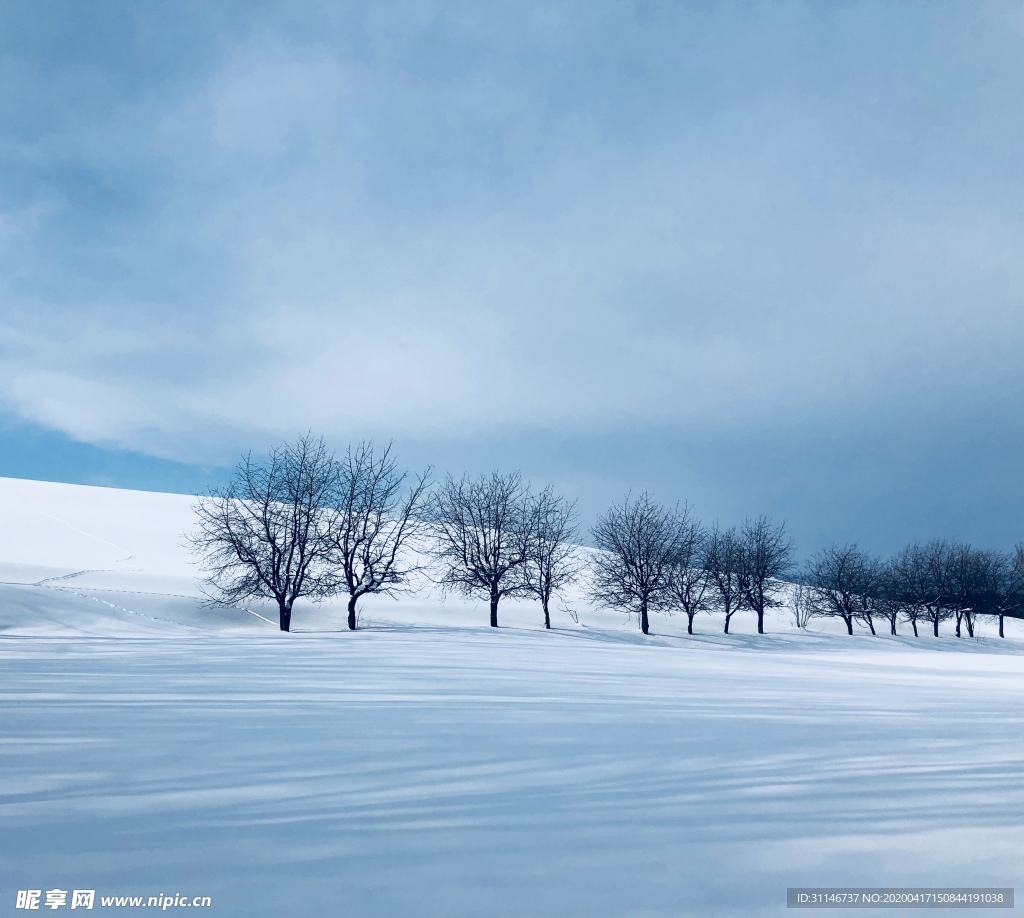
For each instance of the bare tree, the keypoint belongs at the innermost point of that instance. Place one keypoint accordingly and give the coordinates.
(375, 521)
(481, 532)
(767, 556)
(842, 581)
(888, 601)
(1002, 589)
(689, 588)
(1012, 600)
(965, 584)
(727, 570)
(553, 561)
(1013, 591)
(263, 536)
(638, 548)
(800, 605)
(867, 614)
(913, 613)
(922, 573)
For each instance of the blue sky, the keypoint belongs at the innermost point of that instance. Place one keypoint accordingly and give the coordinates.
(761, 257)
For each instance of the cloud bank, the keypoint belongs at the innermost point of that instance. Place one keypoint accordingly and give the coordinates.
(722, 227)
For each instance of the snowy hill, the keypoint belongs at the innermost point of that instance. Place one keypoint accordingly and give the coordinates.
(94, 560)
(103, 561)
(431, 766)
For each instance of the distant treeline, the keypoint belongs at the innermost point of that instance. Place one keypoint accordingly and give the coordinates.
(304, 522)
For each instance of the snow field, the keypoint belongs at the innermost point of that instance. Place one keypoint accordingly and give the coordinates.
(430, 766)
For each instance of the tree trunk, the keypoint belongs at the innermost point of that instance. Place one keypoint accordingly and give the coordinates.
(547, 617)
(494, 610)
(285, 614)
(727, 617)
(871, 625)
(689, 624)
(644, 625)
(959, 618)
(914, 623)
(1001, 626)
(892, 625)
(969, 619)
(352, 613)
(849, 623)
(935, 626)
(760, 620)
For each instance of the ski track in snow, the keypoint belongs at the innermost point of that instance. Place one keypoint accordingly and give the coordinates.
(118, 608)
(89, 535)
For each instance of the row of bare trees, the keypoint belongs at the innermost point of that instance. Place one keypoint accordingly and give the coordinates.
(493, 538)
(931, 583)
(304, 523)
(656, 558)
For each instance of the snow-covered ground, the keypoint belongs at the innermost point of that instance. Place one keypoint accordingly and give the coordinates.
(429, 765)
